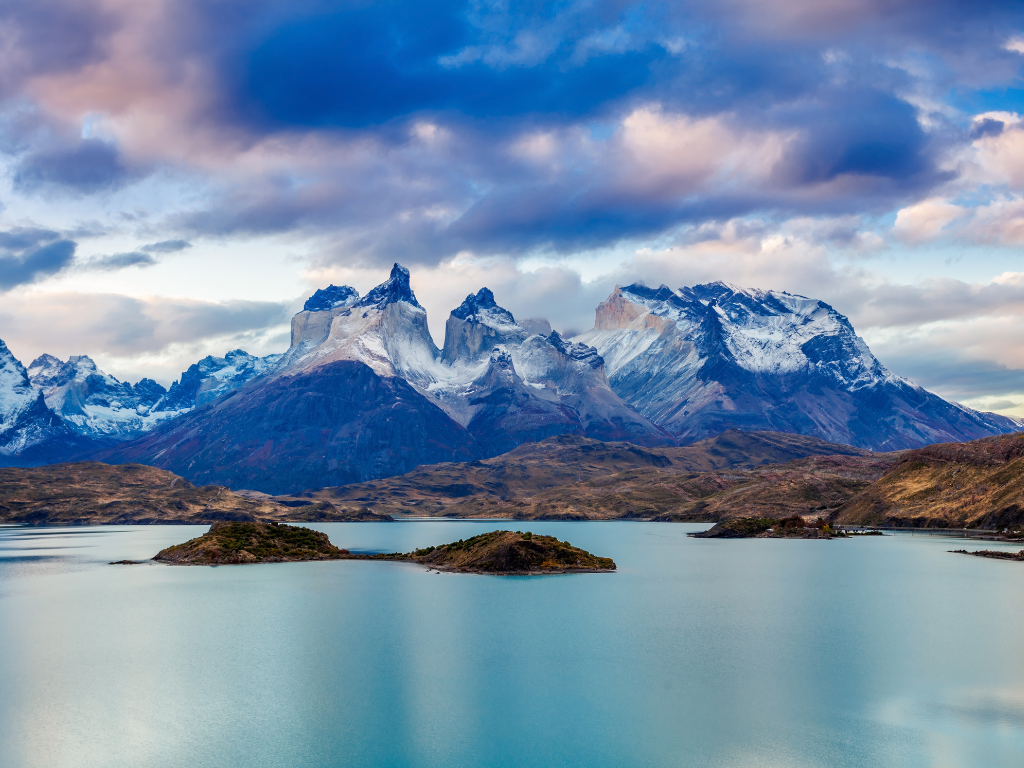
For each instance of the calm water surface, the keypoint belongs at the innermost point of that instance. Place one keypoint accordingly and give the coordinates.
(868, 652)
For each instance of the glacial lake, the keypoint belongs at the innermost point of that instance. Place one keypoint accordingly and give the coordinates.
(873, 652)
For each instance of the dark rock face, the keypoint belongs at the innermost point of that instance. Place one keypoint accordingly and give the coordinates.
(483, 300)
(395, 288)
(330, 297)
(335, 424)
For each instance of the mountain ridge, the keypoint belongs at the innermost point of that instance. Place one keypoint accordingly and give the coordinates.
(660, 367)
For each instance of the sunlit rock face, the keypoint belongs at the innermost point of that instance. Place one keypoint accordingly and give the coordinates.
(477, 326)
(313, 323)
(700, 360)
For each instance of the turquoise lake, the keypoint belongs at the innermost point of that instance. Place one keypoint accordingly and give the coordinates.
(867, 652)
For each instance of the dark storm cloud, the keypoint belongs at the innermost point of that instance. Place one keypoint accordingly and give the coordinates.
(836, 78)
(27, 255)
(368, 64)
(88, 166)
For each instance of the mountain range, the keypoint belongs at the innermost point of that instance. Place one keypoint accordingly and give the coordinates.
(363, 392)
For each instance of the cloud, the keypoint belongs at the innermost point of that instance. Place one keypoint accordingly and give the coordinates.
(89, 166)
(30, 254)
(119, 261)
(925, 220)
(136, 337)
(166, 246)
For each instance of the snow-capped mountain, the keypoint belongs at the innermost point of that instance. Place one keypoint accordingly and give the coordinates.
(700, 360)
(30, 432)
(495, 385)
(509, 385)
(387, 330)
(212, 377)
(364, 392)
(95, 404)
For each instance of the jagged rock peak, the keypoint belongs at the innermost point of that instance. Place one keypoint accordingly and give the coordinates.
(575, 350)
(331, 297)
(482, 307)
(396, 288)
(46, 370)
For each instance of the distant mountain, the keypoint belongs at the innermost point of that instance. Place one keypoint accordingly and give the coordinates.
(700, 360)
(31, 433)
(212, 377)
(95, 404)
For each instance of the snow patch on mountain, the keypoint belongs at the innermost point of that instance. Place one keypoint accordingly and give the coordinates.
(767, 332)
(96, 404)
(212, 377)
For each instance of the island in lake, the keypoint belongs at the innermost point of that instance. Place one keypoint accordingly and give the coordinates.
(996, 554)
(794, 527)
(497, 552)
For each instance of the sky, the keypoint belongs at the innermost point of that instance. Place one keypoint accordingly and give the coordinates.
(177, 177)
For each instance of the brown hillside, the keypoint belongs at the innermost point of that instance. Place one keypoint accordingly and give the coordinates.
(976, 485)
(92, 493)
(569, 477)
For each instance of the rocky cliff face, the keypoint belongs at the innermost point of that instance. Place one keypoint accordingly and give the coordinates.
(386, 330)
(704, 359)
